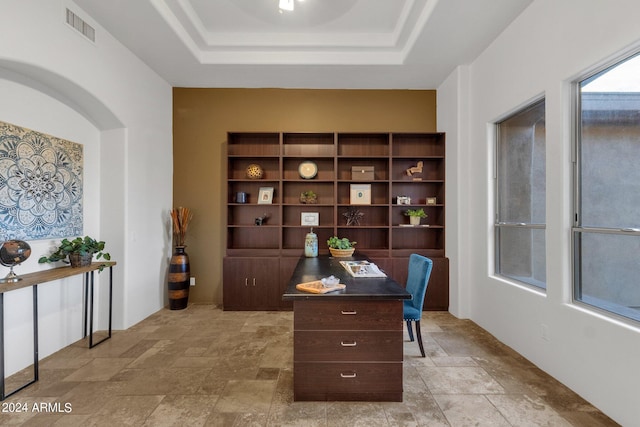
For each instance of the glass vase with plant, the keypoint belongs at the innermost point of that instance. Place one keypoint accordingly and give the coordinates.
(308, 197)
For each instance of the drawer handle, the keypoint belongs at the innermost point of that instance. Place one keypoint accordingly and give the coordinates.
(349, 312)
(351, 375)
(348, 344)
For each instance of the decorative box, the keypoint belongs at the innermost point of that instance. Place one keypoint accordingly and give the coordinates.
(362, 173)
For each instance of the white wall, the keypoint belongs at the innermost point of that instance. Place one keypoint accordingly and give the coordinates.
(542, 52)
(98, 94)
(453, 113)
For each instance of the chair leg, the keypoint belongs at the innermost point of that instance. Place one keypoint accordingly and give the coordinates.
(419, 338)
(410, 330)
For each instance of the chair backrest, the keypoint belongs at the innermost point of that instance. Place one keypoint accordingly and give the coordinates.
(418, 278)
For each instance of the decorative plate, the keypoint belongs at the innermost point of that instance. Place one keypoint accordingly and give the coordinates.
(308, 169)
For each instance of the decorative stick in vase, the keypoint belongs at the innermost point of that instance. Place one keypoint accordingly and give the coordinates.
(181, 218)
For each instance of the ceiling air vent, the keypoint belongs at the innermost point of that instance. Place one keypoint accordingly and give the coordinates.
(85, 29)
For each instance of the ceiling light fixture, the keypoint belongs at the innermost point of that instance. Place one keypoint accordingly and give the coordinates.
(286, 5)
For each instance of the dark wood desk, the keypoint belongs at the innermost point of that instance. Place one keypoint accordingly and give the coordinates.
(33, 280)
(347, 343)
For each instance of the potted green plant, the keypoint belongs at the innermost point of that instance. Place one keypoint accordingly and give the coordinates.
(415, 215)
(77, 252)
(308, 197)
(341, 246)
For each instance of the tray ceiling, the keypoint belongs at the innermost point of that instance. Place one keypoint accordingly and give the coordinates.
(376, 44)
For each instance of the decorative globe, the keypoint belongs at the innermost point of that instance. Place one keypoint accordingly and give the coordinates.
(12, 253)
(255, 171)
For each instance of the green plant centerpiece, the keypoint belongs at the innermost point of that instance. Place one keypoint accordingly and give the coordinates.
(341, 246)
(415, 215)
(78, 252)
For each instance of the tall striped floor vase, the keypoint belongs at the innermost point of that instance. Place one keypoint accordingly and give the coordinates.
(179, 279)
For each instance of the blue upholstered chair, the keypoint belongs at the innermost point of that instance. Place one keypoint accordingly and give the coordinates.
(417, 281)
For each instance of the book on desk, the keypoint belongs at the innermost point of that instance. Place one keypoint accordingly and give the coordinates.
(362, 268)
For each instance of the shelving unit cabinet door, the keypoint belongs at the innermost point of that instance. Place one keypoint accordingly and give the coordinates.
(251, 283)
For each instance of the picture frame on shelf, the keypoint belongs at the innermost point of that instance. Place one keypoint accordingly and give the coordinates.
(310, 219)
(265, 196)
(403, 200)
(431, 201)
(360, 194)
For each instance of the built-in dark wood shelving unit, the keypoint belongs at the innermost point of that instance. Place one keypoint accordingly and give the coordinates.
(259, 259)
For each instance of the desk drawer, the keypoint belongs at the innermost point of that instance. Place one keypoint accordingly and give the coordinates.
(322, 346)
(347, 381)
(348, 315)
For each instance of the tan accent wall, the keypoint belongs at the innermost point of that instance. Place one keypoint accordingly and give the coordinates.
(202, 118)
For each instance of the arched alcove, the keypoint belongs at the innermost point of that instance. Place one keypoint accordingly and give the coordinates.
(62, 89)
(113, 137)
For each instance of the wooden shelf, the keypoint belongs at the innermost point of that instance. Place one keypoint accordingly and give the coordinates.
(379, 234)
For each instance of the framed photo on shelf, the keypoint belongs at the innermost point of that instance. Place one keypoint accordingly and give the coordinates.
(310, 218)
(431, 201)
(360, 194)
(265, 196)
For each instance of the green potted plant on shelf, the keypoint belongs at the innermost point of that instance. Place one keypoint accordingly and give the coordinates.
(341, 246)
(415, 215)
(78, 252)
(308, 197)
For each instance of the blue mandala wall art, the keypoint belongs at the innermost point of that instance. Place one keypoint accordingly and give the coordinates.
(40, 185)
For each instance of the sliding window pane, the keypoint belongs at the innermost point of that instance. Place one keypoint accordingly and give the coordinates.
(522, 166)
(610, 152)
(609, 271)
(524, 257)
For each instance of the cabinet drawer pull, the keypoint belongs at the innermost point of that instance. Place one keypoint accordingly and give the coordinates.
(349, 312)
(246, 281)
(348, 344)
(350, 375)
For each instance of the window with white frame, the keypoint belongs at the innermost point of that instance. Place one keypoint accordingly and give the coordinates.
(520, 196)
(606, 231)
